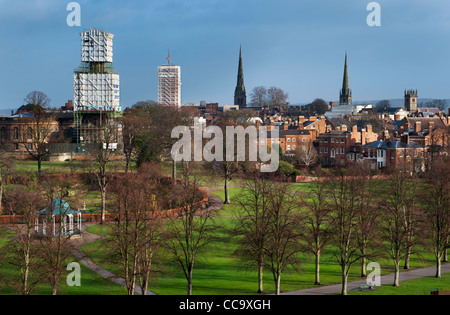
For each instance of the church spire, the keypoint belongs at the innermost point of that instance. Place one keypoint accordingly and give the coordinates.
(240, 95)
(346, 93)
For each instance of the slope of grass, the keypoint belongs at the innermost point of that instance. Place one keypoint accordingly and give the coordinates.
(91, 282)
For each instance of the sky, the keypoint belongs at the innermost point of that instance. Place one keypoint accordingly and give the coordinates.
(296, 45)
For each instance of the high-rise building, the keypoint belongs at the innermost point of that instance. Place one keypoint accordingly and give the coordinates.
(240, 95)
(411, 100)
(96, 82)
(169, 84)
(345, 97)
(96, 90)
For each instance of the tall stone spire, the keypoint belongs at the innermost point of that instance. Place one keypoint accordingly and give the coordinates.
(240, 95)
(346, 94)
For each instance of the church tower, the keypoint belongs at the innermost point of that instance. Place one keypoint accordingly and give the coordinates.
(240, 96)
(411, 100)
(345, 97)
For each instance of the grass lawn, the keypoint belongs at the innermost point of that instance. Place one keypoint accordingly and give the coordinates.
(219, 272)
(91, 282)
(421, 286)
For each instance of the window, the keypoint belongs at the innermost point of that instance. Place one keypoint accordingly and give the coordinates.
(288, 139)
(332, 140)
(4, 134)
(16, 133)
(325, 140)
(342, 140)
(288, 148)
(342, 150)
(326, 150)
(333, 153)
(293, 147)
(304, 139)
(294, 139)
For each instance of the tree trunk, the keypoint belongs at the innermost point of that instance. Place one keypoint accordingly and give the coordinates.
(317, 281)
(103, 206)
(227, 195)
(407, 258)
(260, 278)
(438, 265)
(363, 264)
(344, 281)
(174, 171)
(39, 166)
(278, 284)
(1, 196)
(190, 283)
(397, 274)
(446, 251)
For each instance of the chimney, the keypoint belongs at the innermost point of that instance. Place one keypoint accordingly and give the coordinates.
(405, 138)
(286, 126)
(355, 129)
(418, 127)
(363, 136)
(344, 128)
(431, 126)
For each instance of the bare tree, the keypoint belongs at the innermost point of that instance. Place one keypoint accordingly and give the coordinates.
(190, 227)
(319, 106)
(306, 154)
(6, 168)
(101, 154)
(40, 129)
(22, 252)
(276, 97)
(259, 96)
(282, 245)
(344, 217)
(54, 247)
(317, 230)
(436, 202)
(252, 224)
(397, 208)
(134, 125)
(367, 219)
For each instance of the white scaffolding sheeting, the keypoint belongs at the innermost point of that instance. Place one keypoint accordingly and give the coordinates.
(96, 46)
(94, 91)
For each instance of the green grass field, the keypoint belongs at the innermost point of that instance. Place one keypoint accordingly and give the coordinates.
(219, 272)
(422, 286)
(91, 282)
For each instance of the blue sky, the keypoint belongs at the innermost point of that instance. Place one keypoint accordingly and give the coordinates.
(296, 45)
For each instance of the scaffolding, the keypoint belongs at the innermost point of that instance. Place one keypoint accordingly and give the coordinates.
(96, 90)
(90, 126)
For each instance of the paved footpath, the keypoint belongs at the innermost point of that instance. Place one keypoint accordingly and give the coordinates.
(89, 263)
(387, 279)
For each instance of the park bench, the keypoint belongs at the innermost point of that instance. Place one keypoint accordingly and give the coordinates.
(364, 287)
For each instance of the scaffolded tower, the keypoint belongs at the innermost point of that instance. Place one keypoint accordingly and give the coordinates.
(96, 87)
(169, 84)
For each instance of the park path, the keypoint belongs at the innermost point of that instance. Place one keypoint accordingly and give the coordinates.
(385, 280)
(89, 263)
